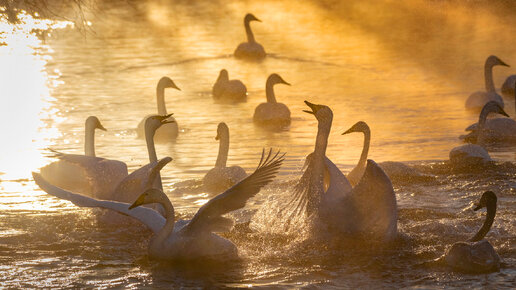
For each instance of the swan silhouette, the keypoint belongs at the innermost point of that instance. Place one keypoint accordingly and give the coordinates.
(509, 85)
(478, 99)
(250, 50)
(170, 130)
(226, 90)
(184, 240)
(87, 174)
(222, 177)
(476, 255)
(324, 194)
(492, 131)
(272, 113)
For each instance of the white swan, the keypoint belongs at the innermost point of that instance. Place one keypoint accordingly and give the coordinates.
(272, 113)
(494, 130)
(185, 239)
(508, 87)
(323, 192)
(395, 170)
(476, 255)
(250, 50)
(87, 174)
(478, 99)
(170, 130)
(469, 155)
(226, 90)
(222, 177)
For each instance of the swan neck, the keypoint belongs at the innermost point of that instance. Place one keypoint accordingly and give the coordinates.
(160, 95)
(365, 150)
(153, 157)
(482, 118)
(248, 31)
(168, 229)
(269, 92)
(321, 143)
(89, 140)
(488, 75)
(488, 222)
(222, 158)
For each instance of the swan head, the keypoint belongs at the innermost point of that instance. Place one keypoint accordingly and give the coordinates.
(321, 112)
(166, 82)
(154, 122)
(276, 79)
(94, 122)
(223, 75)
(222, 129)
(250, 17)
(359, 126)
(493, 60)
(493, 107)
(488, 199)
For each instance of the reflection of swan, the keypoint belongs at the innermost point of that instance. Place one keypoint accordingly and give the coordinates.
(167, 131)
(478, 99)
(148, 175)
(87, 174)
(221, 177)
(324, 193)
(272, 112)
(226, 90)
(185, 239)
(251, 49)
(477, 255)
(508, 87)
(504, 129)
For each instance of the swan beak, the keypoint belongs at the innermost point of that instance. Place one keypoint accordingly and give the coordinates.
(163, 119)
(286, 83)
(101, 127)
(347, 132)
(314, 108)
(477, 207)
(504, 64)
(176, 87)
(138, 201)
(504, 113)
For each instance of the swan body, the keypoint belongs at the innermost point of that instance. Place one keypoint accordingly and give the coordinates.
(87, 174)
(509, 85)
(478, 99)
(168, 131)
(469, 155)
(324, 193)
(476, 255)
(250, 50)
(226, 90)
(222, 177)
(272, 113)
(503, 130)
(184, 240)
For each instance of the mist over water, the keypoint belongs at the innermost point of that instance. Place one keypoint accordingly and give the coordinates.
(404, 67)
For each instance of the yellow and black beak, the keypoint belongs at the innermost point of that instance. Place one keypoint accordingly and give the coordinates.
(139, 201)
(314, 108)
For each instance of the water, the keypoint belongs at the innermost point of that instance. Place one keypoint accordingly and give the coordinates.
(405, 68)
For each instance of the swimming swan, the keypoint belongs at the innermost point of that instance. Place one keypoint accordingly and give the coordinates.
(170, 130)
(185, 239)
(324, 194)
(477, 255)
(509, 85)
(272, 113)
(468, 155)
(502, 130)
(87, 174)
(225, 90)
(478, 99)
(250, 50)
(222, 177)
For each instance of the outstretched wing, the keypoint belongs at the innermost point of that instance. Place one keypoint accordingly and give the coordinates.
(237, 196)
(152, 219)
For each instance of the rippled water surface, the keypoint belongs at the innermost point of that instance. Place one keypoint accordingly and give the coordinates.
(404, 67)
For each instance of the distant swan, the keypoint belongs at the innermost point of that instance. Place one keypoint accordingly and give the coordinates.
(170, 130)
(478, 99)
(272, 113)
(323, 192)
(250, 50)
(221, 177)
(469, 155)
(476, 255)
(87, 174)
(508, 87)
(393, 169)
(226, 90)
(185, 240)
(494, 130)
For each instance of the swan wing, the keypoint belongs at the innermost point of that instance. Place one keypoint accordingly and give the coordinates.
(236, 197)
(152, 219)
(375, 203)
